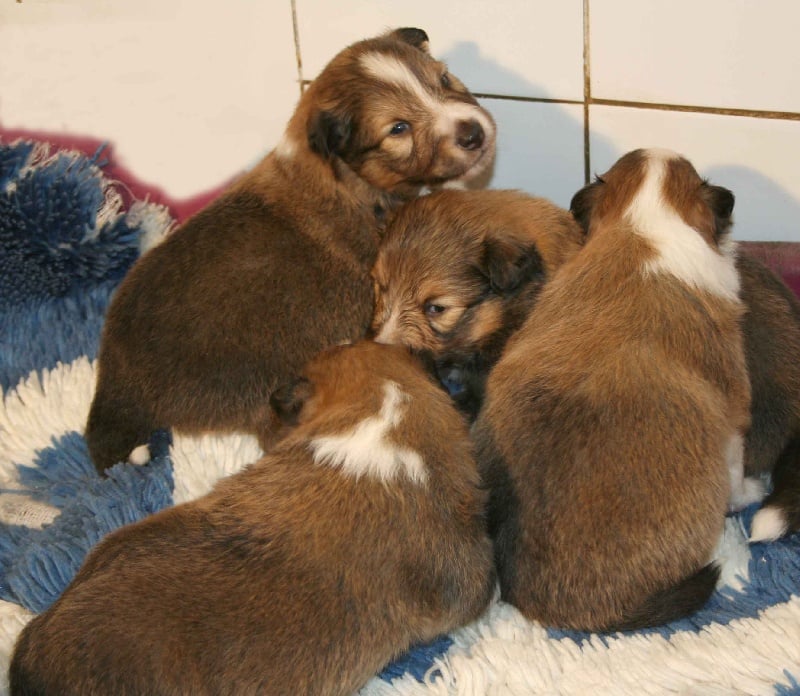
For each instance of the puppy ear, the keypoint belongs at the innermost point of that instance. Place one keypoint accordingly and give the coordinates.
(721, 201)
(582, 204)
(509, 265)
(288, 401)
(329, 134)
(416, 37)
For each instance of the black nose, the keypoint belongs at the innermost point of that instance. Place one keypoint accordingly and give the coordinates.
(469, 135)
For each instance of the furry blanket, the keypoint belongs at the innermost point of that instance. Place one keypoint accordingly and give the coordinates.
(66, 239)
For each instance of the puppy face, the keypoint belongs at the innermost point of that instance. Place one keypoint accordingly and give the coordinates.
(397, 117)
(451, 264)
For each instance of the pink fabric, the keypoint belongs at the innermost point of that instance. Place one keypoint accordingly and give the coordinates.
(781, 257)
(133, 188)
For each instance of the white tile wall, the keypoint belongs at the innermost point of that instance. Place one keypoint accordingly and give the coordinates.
(193, 91)
(719, 53)
(528, 48)
(190, 93)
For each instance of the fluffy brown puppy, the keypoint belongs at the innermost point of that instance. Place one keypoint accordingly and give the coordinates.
(772, 345)
(771, 329)
(360, 533)
(457, 273)
(613, 423)
(238, 299)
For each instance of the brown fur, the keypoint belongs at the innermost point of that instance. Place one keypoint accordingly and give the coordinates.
(291, 577)
(457, 273)
(608, 420)
(208, 323)
(771, 330)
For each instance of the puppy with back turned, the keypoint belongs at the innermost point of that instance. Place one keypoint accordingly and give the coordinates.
(235, 301)
(612, 430)
(457, 273)
(361, 532)
(771, 330)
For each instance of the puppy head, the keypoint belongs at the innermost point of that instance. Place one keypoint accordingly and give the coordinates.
(396, 116)
(645, 187)
(346, 384)
(453, 262)
(371, 409)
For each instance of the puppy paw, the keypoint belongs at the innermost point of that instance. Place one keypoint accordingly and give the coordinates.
(769, 523)
(140, 455)
(751, 490)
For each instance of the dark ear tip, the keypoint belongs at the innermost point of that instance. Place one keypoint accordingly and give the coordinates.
(288, 400)
(728, 200)
(412, 35)
(328, 133)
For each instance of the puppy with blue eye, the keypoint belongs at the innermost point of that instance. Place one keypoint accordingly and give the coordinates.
(209, 322)
(457, 273)
(359, 534)
(612, 432)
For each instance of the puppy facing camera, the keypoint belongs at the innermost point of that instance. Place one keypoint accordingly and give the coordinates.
(457, 273)
(235, 301)
(361, 533)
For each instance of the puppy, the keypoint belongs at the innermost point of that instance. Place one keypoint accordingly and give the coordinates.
(457, 272)
(613, 423)
(206, 324)
(771, 330)
(361, 532)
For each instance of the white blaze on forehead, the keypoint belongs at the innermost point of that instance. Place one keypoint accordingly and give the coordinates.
(393, 71)
(682, 252)
(446, 113)
(366, 450)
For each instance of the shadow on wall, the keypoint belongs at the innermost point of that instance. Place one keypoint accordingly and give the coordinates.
(540, 145)
(541, 149)
(764, 210)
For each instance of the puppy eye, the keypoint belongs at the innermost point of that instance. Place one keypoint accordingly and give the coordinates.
(399, 128)
(445, 80)
(433, 310)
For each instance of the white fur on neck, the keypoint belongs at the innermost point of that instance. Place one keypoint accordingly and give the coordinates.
(682, 252)
(286, 147)
(365, 450)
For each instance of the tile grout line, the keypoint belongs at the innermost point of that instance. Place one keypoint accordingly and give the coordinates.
(298, 58)
(587, 97)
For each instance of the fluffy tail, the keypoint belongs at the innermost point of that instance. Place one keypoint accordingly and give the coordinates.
(676, 602)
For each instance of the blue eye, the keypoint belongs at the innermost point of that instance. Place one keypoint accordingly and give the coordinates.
(432, 309)
(399, 128)
(445, 81)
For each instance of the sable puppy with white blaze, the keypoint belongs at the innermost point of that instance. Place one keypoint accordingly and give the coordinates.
(771, 331)
(613, 423)
(234, 302)
(359, 534)
(457, 273)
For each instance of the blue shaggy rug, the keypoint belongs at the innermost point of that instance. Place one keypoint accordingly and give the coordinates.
(66, 240)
